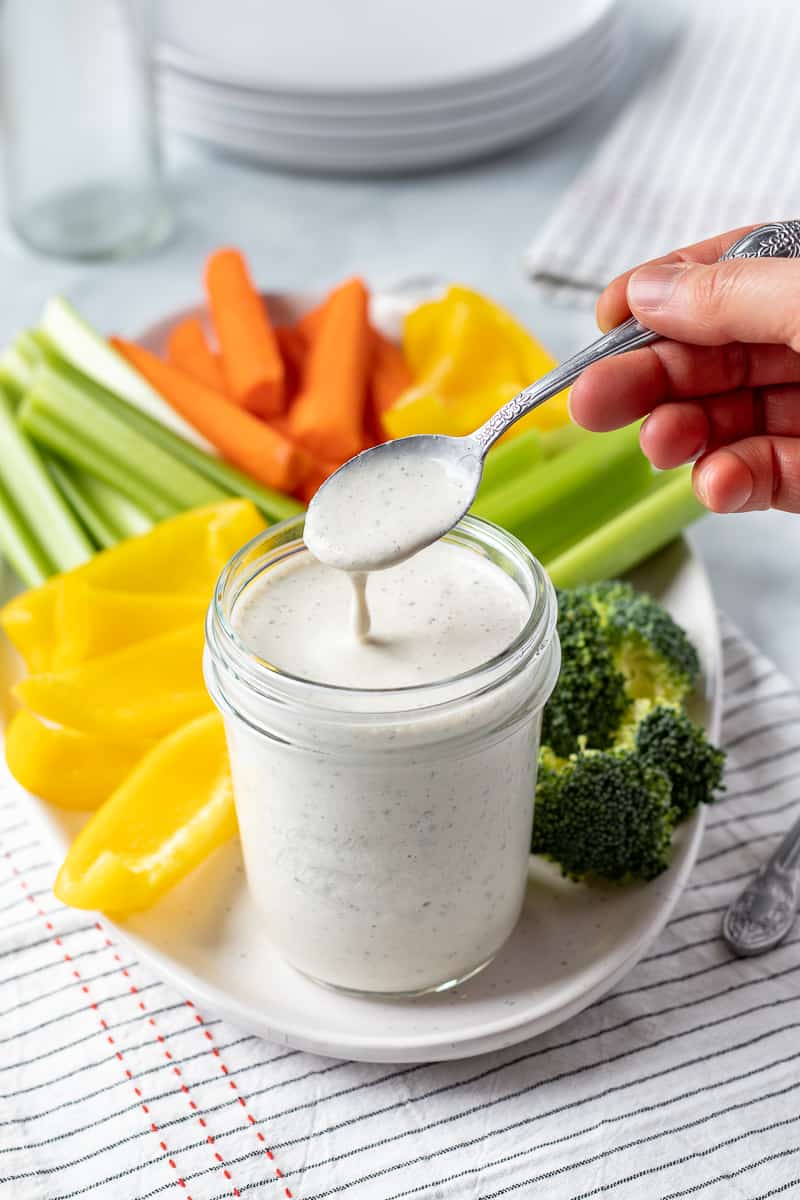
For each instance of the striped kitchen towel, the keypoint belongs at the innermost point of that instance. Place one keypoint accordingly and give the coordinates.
(685, 1081)
(706, 143)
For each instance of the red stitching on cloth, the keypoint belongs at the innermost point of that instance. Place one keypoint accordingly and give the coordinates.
(242, 1101)
(85, 989)
(160, 1041)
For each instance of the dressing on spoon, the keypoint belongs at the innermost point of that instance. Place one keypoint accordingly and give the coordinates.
(382, 508)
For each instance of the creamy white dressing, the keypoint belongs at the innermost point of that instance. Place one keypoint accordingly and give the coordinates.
(438, 614)
(383, 508)
(389, 856)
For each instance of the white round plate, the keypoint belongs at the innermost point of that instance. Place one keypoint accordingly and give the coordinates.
(421, 103)
(203, 105)
(524, 110)
(571, 945)
(386, 154)
(357, 47)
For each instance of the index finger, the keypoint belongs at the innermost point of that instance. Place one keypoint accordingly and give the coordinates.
(612, 306)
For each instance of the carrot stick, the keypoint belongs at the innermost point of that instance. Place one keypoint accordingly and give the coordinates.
(251, 358)
(240, 437)
(310, 323)
(293, 346)
(391, 374)
(389, 378)
(188, 349)
(328, 415)
(315, 479)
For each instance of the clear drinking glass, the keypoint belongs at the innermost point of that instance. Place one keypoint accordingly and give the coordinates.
(80, 143)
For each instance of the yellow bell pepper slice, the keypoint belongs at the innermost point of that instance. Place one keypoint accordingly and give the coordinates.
(468, 356)
(421, 410)
(92, 621)
(140, 692)
(462, 350)
(65, 767)
(29, 624)
(172, 811)
(183, 556)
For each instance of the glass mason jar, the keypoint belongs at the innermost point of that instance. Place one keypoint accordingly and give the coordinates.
(385, 833)
(80, 145)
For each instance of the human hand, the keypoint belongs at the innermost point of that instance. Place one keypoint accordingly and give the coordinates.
(725, 393)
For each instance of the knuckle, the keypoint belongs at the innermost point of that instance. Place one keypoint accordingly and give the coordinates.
(713, 288)
(736, 364)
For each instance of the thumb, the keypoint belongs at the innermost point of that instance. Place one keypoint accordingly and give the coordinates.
(743, 300)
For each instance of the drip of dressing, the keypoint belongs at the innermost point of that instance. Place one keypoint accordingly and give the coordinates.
(379, 512)
(362, 619)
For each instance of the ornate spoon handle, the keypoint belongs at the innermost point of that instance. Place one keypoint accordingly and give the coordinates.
(778, 240)
(765, 911)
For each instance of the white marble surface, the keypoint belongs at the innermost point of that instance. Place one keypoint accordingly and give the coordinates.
(472, 224)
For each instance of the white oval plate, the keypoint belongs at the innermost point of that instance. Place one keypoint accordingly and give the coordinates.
(571, 945)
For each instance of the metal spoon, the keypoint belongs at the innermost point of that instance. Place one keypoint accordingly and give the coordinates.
(765, 911)
(354, 486)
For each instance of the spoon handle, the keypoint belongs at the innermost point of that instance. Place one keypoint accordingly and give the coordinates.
(780, 239)
(764, 912)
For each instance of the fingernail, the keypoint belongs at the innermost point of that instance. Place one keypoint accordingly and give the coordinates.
(651, 288)
(738, 496)
(700, 486)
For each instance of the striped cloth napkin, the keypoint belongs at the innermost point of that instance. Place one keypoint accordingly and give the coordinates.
(707, 143)
(683, 1082)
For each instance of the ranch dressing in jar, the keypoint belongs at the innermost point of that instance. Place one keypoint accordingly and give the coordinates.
(384, 784)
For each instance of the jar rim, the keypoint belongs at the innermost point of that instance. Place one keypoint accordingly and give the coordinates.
(223, 640)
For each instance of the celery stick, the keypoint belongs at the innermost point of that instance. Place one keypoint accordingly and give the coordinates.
(107, 514)
(75, 408)
(28, 346)
(19, 547)
(516, 456)
(38, 499)
(560, 501)
(276, 506)
(70, 445)
(563, 438)
(15, 373)
(632, 535)
(93, 519)
(510, 459)
(124, 517)
(83, 346)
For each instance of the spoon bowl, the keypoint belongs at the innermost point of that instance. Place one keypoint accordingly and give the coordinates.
(390, 501)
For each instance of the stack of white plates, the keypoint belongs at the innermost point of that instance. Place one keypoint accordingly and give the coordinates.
(349, 86)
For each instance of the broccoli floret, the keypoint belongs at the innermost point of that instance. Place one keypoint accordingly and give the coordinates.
(666, 738)
(607, 815)
(650, 649)
(589, 703)
(621, 762)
